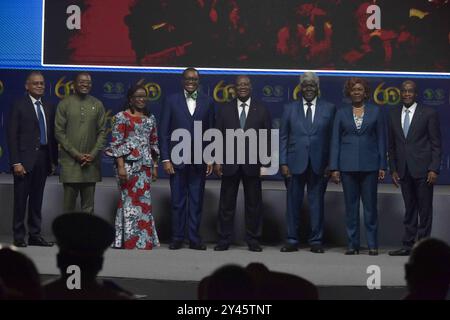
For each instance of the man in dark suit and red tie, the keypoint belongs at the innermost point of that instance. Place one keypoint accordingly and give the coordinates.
(305, 134)
(183, 110)
(415, 160)
(247, 114)
(33, 156)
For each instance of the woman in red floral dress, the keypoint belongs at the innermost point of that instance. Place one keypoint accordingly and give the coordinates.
(134, 145)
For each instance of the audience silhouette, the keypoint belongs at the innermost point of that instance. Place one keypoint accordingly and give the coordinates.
(82, 240)
(427, 271)
(257, 282)
(19, 276)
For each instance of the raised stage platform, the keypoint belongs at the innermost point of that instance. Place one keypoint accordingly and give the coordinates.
(152, 273)
(390, 208)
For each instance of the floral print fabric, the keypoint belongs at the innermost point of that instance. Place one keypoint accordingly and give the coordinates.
(135, 139)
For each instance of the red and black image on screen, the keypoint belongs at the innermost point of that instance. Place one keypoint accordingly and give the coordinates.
(414, 35)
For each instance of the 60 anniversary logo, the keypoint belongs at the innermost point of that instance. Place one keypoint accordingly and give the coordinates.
(390, 95)
(224, 93)
(64, 89)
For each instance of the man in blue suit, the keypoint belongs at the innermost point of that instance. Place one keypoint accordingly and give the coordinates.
(305, 135)
(187, 179)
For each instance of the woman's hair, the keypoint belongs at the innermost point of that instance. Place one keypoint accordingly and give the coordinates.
(350, 83)
(130, 94)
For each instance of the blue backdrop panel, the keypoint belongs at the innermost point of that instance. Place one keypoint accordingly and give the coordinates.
(273, 90)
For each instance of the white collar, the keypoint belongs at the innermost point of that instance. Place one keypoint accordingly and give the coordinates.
(313, 102)
(411, 109)
(33, 99)
(247, 102)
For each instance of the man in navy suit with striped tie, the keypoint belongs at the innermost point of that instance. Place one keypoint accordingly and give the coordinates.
(33, 156)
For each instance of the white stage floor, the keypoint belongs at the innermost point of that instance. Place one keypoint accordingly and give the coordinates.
(332, 268)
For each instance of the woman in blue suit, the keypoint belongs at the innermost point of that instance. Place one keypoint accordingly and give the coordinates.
(358, 158)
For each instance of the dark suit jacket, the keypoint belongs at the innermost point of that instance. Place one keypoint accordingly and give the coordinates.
(298, 145)
(24, 134)
(258, 118)
(175, 115)
(355, 150)
(421, 149)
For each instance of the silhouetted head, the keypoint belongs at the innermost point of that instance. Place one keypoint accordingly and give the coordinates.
(272, 285)
(427, 271)
(19, 274)
(3, 295)
(230, 282)
(82, 239)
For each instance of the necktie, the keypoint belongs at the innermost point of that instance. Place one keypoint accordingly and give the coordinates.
(243, 117)
(309, 115)
(406, 123)
(43, 136)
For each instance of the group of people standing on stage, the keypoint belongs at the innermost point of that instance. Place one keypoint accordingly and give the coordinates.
(351, 144)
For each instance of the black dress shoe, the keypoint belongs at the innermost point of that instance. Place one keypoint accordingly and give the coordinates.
(175, 245)
(20, 243)
(400, 252)
(289, 248)
(317, 249)
(373, 252)
(197, 246)
(221, 247)
(255, 247)
(39, 241)
(351, 252)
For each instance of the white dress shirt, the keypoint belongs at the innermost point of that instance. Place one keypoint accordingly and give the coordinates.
(411, 110)
(191, 103)
(33, 100)
(313, 107)
(247, 107)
